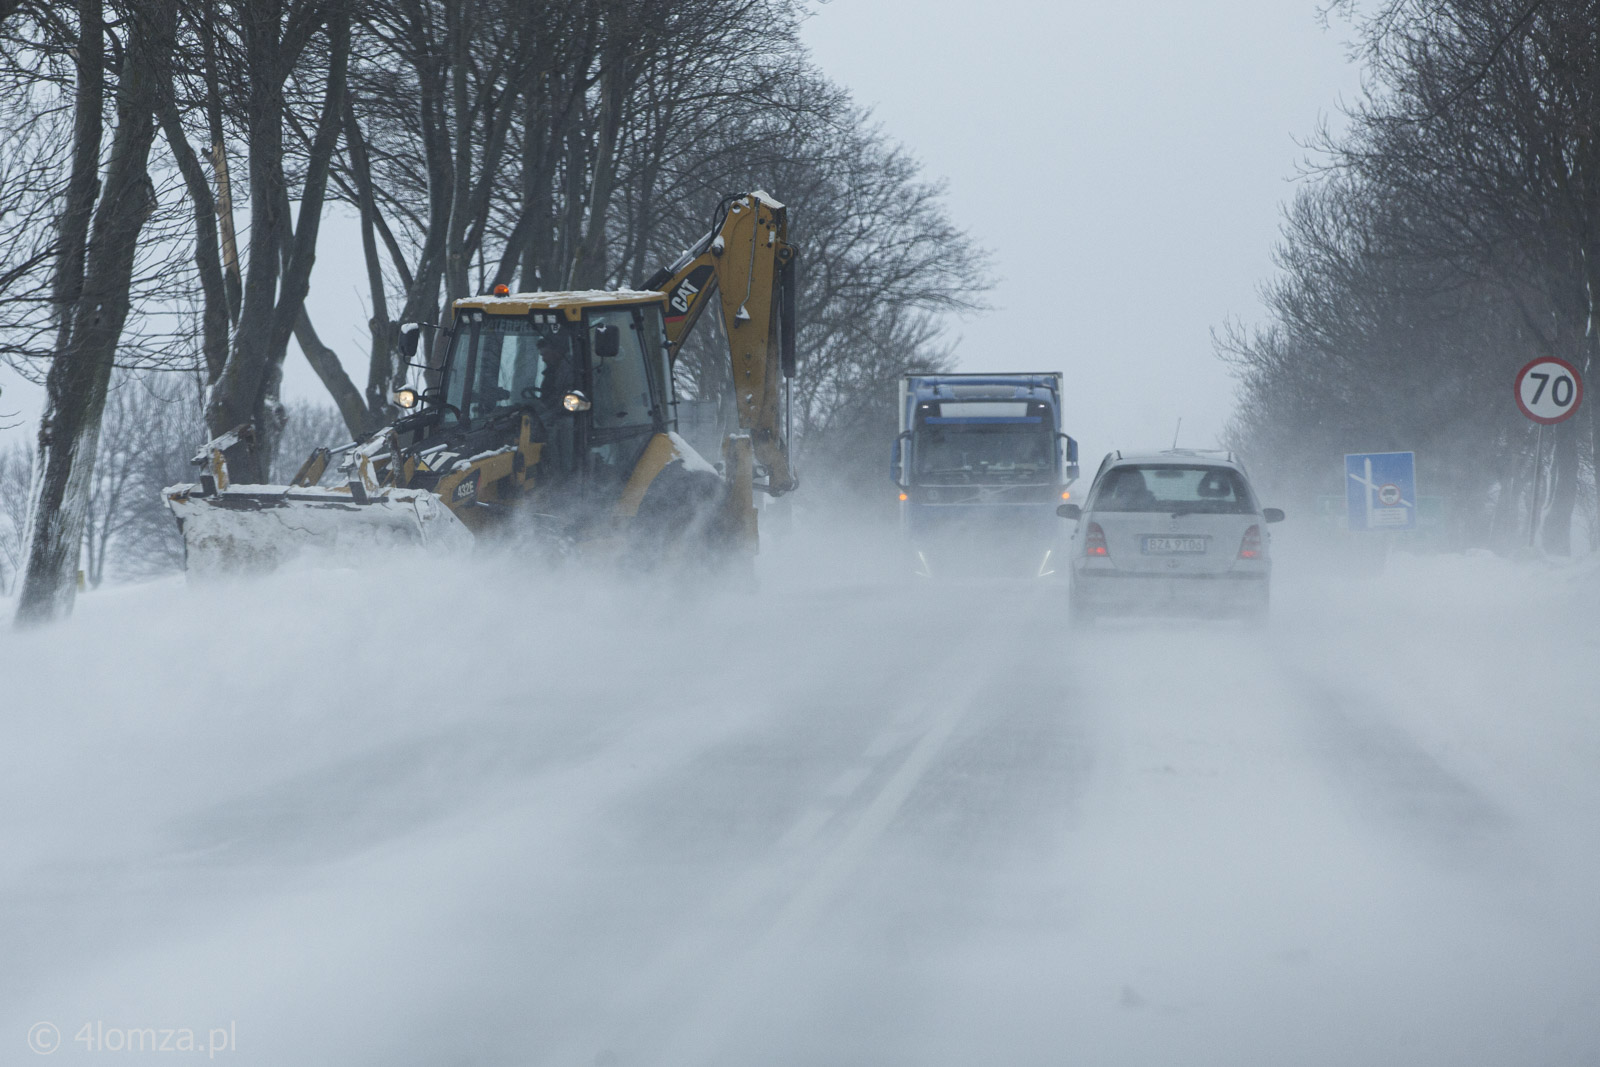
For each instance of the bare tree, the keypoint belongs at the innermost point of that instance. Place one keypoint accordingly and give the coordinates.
(1451, 235)
(275, 35)
(309, 425)
(95, 263)
(33, 136)
(16, 473)
(571, 142)
(882, 267)
(148, 435)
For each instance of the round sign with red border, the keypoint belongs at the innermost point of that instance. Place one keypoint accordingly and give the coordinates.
(1549, 390)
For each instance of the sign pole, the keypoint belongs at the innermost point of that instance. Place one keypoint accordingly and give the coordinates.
(1538, 472)
(1368, 490)
(1548, 390)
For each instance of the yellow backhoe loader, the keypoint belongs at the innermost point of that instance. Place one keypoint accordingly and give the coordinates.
(552, 416)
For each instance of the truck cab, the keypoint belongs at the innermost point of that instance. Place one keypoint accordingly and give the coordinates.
(981, 464)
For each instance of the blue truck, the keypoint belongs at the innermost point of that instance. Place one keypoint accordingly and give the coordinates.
(981, 464)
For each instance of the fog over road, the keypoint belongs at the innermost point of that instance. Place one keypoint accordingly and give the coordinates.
(844, 820)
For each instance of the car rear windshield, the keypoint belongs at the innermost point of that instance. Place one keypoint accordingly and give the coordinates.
(1174, 488)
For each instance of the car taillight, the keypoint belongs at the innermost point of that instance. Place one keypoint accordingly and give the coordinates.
(1094, 541)
(1250, 546)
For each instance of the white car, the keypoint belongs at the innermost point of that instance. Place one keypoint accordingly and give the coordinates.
(1175, 532)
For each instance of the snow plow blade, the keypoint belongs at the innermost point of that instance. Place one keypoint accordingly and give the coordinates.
(248, 529)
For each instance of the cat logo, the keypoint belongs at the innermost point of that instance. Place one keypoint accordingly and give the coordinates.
(467, 489)
(684, 292)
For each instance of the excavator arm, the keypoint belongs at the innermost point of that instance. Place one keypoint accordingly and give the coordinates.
(747, 261)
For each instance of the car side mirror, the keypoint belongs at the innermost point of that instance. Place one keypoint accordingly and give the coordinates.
(1272, 514)
(1070, 511)
(607, 340)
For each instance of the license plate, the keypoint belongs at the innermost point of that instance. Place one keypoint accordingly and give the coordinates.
(1175, 546)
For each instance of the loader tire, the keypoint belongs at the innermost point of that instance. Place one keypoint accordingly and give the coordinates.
(680, 520)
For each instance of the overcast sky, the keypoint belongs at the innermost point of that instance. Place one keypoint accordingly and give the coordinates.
(1124, 163)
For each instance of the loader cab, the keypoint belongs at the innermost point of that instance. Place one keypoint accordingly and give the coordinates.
(532, 352)
(629, 386)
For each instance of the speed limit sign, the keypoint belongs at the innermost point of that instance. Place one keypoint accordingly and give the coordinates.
(1549, 390)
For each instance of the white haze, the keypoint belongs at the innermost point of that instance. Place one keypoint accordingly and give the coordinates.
(461, 816)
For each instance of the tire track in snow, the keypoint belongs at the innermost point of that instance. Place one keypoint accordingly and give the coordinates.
(698, 1039)
(1393, 780)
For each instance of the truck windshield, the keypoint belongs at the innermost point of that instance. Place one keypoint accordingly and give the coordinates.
(500, 361)
(975, 453)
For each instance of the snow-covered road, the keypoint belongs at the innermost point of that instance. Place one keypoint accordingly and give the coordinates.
(350, 820)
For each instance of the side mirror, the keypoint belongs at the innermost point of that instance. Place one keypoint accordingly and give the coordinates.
(410, 333)
(1070, 511)
(1069, 469)
(607, 340)
(897, 459)
(575, 402)
(1272, 514)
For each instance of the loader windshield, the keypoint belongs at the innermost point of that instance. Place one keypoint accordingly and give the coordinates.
(503, 361)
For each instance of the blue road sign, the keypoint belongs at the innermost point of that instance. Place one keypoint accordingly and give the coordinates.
(1381, 490)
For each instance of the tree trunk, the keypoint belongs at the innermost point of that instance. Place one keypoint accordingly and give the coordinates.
(233, 283)
(207, 258)
(537, 205)
(382, 372)
(238, 392)
(1556, 533)
(325, 361)
(566, 243)
(88, 127)
(1593, 419)
(279, 271)
(589, 257)
(456, 252)
(75, 388)
(1591, 346)
(1505, 518)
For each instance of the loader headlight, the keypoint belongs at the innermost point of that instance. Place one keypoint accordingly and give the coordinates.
(406, 398)
(575, 402)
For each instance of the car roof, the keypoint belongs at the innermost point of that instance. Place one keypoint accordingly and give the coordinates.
(1207, 457)
(1186, 456)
